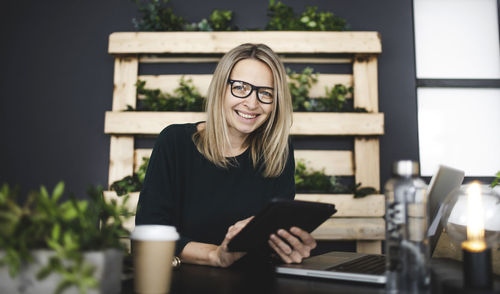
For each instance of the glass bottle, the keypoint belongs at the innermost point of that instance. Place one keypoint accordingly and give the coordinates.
(407, 244)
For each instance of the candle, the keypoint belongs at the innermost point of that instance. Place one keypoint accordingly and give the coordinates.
(476, 254)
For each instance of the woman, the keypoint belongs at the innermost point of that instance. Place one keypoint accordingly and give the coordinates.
(209, 178)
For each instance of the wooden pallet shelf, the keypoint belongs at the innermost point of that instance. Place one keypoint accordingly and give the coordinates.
(357, 219)
(341, 124)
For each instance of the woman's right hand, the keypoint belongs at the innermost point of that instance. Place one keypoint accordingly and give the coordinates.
(222, 256)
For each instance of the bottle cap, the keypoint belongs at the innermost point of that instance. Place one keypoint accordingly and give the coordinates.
(405, 168)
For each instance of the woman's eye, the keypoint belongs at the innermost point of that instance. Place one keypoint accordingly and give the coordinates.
(266, 94)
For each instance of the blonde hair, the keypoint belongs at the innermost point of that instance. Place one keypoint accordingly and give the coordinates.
(269, 143)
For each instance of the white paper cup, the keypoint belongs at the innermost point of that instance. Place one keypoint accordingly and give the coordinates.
(153, 248)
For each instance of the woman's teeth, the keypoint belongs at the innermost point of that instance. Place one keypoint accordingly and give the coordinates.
(244, 115)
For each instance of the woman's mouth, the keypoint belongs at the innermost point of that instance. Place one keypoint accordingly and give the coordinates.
(246, 115)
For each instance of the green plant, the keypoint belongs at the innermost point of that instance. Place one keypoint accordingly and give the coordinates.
(283, 17)
(299, 85)
(68, 227)
(308, 180)
(131, 183)
(157, 16)
(496, 181)
(321, 21)
(185, 98)
(335, 100)
(220, 20)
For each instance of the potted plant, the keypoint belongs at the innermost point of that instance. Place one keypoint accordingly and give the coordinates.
(48, 245)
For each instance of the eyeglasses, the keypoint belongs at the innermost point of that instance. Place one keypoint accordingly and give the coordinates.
(242, 89)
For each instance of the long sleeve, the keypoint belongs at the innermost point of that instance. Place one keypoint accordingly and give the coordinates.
(158, 202)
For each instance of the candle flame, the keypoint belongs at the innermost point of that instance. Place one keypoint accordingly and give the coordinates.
(475, 223)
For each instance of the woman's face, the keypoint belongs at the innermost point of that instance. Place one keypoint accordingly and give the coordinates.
(245, 115)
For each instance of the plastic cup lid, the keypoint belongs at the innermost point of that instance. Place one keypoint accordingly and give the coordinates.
(154, 233)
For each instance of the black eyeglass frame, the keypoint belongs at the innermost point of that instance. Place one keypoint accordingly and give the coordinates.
(254, 88)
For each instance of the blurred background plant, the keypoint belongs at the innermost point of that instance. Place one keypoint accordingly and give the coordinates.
(284, 18)
(157, 16)
(131, 183)
(185, 98)
(69, 228)
(314, 181)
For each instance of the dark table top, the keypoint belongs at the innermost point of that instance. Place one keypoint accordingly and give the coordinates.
(261, 278)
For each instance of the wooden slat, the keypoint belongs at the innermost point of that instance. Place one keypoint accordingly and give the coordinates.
(121, 157)
(168, 83)
(334, 163)
(367, 162)
(351, 229)
(369, 247)
(151, 123)
(366, 85)
(222, 42)
(338, 124)
(125, 77)
(348, 206)
(284, 59)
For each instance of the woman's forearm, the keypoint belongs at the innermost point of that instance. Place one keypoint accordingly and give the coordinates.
(200, 253)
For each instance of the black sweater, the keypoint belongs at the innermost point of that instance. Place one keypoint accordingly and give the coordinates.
(184, 189)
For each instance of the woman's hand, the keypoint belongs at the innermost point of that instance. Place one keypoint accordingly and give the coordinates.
(300, 244)
(222, 256)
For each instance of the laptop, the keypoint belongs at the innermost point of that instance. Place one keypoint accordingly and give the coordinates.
(370, 268)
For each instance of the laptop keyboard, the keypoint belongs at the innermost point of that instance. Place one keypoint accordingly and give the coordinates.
(368, 264)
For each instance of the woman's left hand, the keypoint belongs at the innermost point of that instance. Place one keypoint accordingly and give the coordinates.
(298, 245)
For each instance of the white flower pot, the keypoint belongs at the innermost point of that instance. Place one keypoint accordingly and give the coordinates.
(108, 271)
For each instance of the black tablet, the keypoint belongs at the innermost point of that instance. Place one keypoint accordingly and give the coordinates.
(280, 214)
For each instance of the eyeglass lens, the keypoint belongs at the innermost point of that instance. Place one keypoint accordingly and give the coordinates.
(243, 89)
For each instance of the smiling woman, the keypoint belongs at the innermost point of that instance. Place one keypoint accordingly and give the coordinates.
(209, 178)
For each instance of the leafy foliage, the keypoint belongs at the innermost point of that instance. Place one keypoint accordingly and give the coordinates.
(335, 100)
(157, 16)
(131, 183)
(185, 98)
(283, 17)
(219, 20)
(300, 84)
(496, 181)
(307, 180)
(68, 227)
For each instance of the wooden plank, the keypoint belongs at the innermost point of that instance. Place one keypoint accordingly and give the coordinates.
(337, 123)
(121, 157)
(168, 83)
(338, 163)
(284, 59)
(151, 123)
(222, 42)
(367, 162)
(348, 206)
(335, 163)
(369, 247)
(366, 84)
(125, 77)
(351, 229)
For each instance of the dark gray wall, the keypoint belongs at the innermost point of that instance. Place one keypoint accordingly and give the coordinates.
(57, 79)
